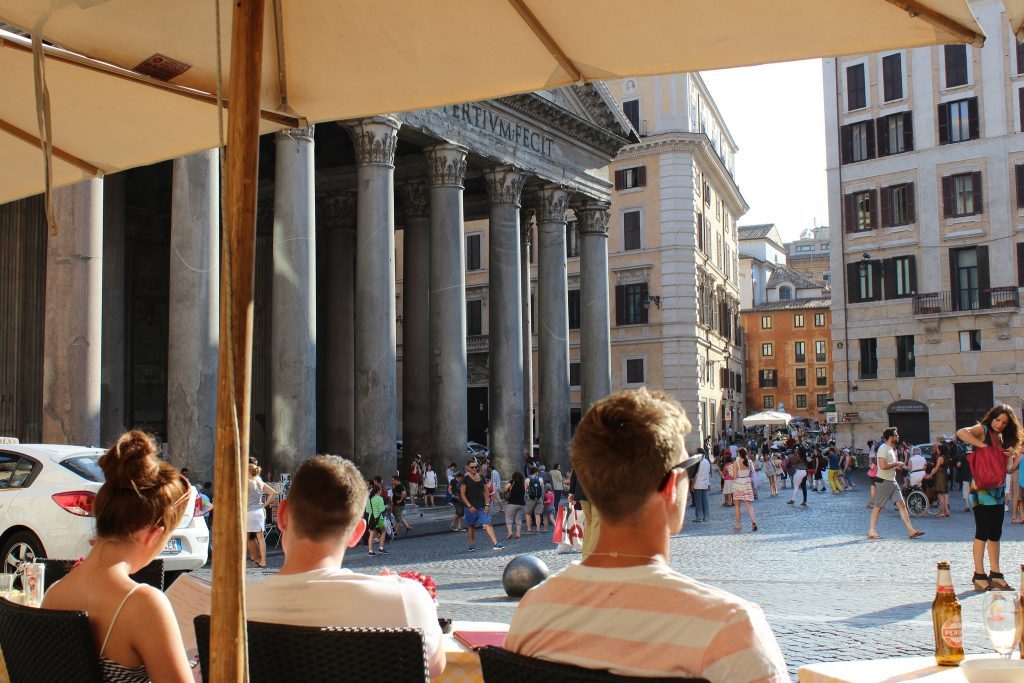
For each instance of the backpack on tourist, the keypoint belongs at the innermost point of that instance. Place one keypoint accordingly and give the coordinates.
(534, 491)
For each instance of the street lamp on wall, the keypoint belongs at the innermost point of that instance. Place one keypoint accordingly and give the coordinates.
(652, 298)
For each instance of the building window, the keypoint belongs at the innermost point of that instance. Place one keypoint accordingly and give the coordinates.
(859, 211)
(820, 351)
(900, 276)
(474, 317)
(905, 355)
(766, 322)
(1019, 179)
(700, 232)
(897, 205)
(958, 121)
(766, 350)
(1020, 59)
(856, 90)
(473, 252)
(574, 309)
(962, 194)
(892, 77)
(956, 65)
(869, 358)
(800, 351)
(631, 108)
(858, 142)
(801, 400)
(864, 281)
(635, 371)
(1020, 264)
(820, 377)
(768, 402)
(801, 377)
(628, 178)
(970, 278)
(767, 378)
(798, 320)
(819, 320)
(785, 293)
(574, 373)
(895, 134)
(630, 230)
(970, 340)
(631, 304)
(572, 240)
(822, 400)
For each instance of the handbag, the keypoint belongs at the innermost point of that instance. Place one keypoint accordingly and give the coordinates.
(988, 464)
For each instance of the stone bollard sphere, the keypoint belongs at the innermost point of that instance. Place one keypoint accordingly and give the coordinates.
(522, 574)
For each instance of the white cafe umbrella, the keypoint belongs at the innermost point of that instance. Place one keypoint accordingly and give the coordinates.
(767, 417)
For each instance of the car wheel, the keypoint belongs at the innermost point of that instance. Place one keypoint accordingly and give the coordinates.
(21, 547)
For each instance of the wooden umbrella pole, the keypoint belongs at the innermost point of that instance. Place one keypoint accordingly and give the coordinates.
(228, 652)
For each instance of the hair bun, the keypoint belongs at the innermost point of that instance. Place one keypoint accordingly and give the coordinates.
(131, 462)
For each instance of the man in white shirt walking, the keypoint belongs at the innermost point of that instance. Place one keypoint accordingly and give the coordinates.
(886, 488)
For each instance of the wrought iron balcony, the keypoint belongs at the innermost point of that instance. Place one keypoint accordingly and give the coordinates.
(966, 300)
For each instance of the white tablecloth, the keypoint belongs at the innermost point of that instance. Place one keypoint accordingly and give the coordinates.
(884, 671)
(464, 664)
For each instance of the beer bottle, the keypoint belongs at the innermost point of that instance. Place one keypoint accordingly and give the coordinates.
(949, 644)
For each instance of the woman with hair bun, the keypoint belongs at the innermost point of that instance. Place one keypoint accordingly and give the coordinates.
(256, 514)
(139, 505)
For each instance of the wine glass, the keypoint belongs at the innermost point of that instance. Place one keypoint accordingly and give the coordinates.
(1003, 620)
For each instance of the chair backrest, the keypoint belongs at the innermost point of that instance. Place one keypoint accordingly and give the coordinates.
(151, 575)
(47, 645)
(501, 666)
(279, 652)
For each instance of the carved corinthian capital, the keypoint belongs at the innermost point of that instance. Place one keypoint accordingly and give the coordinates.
(446, 164)
(301, 134)
(415, 198)
(504, 184)
(374, 140)
(337, 211)
(552, 201)
(592, 218)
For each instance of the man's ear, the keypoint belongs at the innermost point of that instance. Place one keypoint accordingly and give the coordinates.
(283, 515)
(357, 533)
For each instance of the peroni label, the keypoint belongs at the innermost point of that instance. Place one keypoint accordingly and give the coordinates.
(952, 632)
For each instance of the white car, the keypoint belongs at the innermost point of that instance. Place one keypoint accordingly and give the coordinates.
(46, 497)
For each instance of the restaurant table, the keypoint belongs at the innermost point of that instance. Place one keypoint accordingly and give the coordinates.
(884, 671)
(463, 663)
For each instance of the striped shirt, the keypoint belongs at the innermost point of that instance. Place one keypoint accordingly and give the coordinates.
(646, 621)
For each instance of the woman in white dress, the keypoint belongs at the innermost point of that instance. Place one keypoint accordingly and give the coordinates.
(256, 514)
(429, 485)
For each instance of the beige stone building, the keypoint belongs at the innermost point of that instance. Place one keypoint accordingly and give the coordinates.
(810, 255)
(926, 198)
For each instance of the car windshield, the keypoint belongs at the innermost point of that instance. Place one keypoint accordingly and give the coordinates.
(85, 466)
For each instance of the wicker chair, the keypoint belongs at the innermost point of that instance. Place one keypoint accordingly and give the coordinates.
(47, 645)
(502, 666)
(152, 574)
(279, 652)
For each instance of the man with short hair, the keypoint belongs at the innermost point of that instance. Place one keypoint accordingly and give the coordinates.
(622, 609)
(398, 500)
(473, 493)
(321, 517)
(886, 488)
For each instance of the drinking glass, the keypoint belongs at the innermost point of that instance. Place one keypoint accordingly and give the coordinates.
(1003, 620)
(6, 585)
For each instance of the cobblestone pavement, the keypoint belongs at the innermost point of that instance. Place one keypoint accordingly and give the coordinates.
(828, 592)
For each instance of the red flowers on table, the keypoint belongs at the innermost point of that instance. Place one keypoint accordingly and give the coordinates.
(424, 580)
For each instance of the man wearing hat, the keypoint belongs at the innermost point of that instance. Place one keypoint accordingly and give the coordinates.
(623, 609)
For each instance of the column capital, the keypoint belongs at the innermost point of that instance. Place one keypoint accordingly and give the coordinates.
(415, 198)
(504, 184)
(300, 134)
(446, 164)
(592, 218)
(375, 140)
(338, 210)
(552, 202)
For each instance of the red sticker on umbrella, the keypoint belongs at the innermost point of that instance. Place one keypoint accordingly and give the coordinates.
(162, 67)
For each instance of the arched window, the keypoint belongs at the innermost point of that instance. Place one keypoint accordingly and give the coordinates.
(785, 293)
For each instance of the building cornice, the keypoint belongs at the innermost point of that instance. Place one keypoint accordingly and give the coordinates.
(550, 114)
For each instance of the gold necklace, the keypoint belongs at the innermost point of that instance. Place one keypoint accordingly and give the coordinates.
(615, 555)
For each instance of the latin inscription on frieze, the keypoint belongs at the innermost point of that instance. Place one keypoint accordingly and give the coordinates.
(495, 124)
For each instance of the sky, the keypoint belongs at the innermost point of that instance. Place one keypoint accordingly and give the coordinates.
(776, 115)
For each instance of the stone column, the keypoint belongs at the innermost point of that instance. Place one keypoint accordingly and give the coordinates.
(553, 327)
(595, 336)
(446, 166)
(339, 361)
(505, 337)
(415, 198)
(376, 421)
(525, 234)
(73, 317)
(193, 312)
(112, 404)
(293, 304)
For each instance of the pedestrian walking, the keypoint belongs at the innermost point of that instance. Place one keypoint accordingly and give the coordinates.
(515, 497)
(742, 489)
(771, 473)
(727, 479)
(872, 472)
(937, 477)
(887, 489)
(429, 485)
(454, 489)
(534, 501)
(701, 484)
(496, 497)
(996, 441)
(398, 500)
(557, 483)
(473, 493)
(833, 472)
(375, 511)
(798, 466)
(415, 477)
(846, 475)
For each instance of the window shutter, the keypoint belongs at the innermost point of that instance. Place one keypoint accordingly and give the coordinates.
(620, 304)
(943, 124)
(889, 277)
(984, 281)
(876, 280)
(954, 287)
(1020, 100)
(644, 306)
(912, 265)
(1020, 264)
(1019, 170)
(979, 199)
(882, 131)
(886, 206)
(871, 141)
(846, 151)
(848, 210)
(908, 131)
(641, 176)
(972, 114)
(620, 180)
(853, 282)
(947, 196)
(909, 194)
(874, 209)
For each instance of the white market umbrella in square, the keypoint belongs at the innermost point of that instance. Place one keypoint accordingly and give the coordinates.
(767, 417)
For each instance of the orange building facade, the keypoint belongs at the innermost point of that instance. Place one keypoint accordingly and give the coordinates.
(789, 357)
